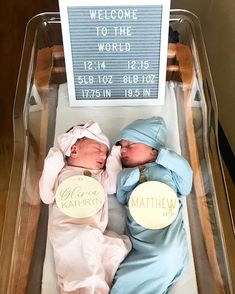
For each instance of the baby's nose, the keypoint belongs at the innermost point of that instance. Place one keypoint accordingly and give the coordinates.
(123, 150)
(103, 155)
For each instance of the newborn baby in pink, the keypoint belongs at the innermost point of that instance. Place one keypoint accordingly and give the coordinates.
(86, 254)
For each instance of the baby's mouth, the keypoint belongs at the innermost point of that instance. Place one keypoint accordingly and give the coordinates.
(124, 158)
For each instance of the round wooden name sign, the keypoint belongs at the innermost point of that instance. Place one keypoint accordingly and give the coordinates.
(154, 205)
(80, 196)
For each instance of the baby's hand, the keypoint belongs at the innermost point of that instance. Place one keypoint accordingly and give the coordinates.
(54, 162)
(130, 177)
(116, 150)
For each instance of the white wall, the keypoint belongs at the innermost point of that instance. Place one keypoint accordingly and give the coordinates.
(217, 19)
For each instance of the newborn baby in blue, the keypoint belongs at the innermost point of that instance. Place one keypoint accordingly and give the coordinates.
(159, 256)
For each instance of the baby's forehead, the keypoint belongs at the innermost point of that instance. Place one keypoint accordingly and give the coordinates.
(126, 142)
(92, 142)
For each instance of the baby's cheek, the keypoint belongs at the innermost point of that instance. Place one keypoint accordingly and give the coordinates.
(134, 154)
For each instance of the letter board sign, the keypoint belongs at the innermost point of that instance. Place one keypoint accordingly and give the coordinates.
(115, 52)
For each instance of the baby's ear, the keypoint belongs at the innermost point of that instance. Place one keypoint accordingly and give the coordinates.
(74, 151)
(154, 152)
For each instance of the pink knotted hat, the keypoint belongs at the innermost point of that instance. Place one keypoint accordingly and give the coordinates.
(90, 130)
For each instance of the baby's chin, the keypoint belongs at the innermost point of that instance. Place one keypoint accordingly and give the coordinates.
(126, 163)
(94, 166)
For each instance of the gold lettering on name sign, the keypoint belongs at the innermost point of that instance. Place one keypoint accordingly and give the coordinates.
(80, 196)
(153, 205)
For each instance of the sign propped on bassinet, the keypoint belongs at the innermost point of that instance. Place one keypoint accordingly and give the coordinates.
(115, 52)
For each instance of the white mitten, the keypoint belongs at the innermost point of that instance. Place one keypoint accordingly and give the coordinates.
(53, 164)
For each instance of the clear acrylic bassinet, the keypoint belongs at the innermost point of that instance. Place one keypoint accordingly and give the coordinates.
(41, 111)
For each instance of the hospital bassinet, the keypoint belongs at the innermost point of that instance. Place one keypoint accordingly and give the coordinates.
(40, 110)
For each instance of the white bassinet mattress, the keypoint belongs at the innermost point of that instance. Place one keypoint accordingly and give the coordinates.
(119, 116)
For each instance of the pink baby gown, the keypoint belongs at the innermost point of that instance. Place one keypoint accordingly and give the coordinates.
(86, 255)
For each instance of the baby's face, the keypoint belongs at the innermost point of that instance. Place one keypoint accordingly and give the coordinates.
(134, 154)
(88, 153)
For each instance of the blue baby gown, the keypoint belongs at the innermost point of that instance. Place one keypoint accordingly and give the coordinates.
(159, 256)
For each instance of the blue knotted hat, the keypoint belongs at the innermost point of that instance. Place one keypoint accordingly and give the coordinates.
(150, 131)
